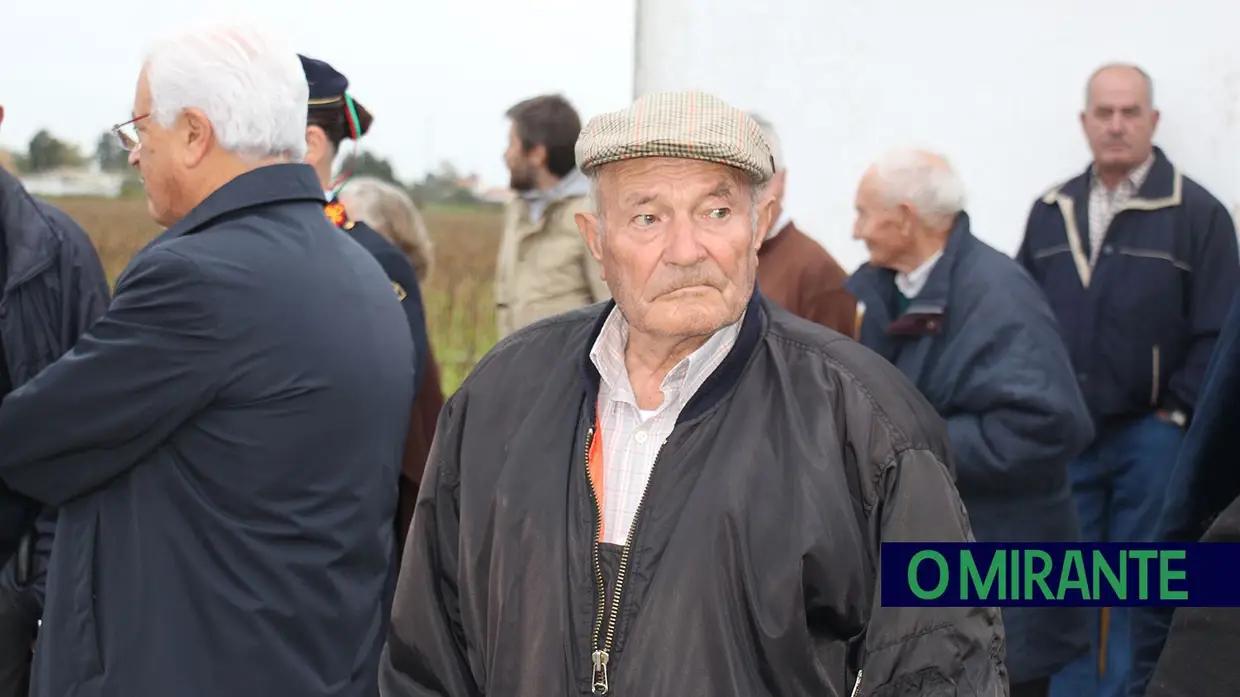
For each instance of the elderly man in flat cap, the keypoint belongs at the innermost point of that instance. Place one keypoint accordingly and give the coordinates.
(681, 491)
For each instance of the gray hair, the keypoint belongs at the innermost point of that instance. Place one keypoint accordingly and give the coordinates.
(1149, 82)
(923, 180)
(596, 201)
(389, 210)
(772, 140)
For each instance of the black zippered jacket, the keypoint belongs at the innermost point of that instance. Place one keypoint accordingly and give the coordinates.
(751, 569)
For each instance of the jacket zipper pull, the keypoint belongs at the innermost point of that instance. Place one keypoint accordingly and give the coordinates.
(856, 685)
(600, 672)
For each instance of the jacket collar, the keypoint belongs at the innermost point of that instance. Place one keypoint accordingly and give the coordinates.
(1162, 186)
(269, 184)
(28, 237)
(876, 287)
(716, 387)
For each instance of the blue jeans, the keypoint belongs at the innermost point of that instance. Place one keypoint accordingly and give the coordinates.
(1118, 485)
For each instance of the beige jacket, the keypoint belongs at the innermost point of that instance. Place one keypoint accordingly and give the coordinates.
(544, 266)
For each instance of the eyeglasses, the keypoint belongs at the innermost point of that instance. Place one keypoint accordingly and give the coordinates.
(127, 133)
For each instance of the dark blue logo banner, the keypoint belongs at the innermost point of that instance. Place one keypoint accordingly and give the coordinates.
(1040, 574)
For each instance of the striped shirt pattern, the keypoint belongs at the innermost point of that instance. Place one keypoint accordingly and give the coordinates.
(632, 438)
(1105, 203)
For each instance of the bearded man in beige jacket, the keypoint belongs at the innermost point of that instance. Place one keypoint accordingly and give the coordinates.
(544, 267)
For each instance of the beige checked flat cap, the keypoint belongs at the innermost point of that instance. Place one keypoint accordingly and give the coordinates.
(691, 125)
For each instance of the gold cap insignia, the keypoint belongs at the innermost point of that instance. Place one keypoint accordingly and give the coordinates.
(400, 291)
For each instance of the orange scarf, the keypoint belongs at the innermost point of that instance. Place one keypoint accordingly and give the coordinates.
(596, 470)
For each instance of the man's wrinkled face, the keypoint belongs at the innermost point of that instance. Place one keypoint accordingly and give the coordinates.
(886, 230)
(156, 159)
(677, 240)
(1119, 118)
(169, 158)
(522, 164)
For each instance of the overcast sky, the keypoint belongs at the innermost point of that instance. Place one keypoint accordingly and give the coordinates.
(437, 76)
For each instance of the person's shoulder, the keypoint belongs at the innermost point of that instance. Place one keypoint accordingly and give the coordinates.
(986, 268)
(389, 256)
(813, 257)
(1196, 196)
(870, 390)
(521, 360)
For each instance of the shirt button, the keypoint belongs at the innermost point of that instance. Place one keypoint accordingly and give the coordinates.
(640, 437)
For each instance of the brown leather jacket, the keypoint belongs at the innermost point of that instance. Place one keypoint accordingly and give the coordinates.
(803, 278)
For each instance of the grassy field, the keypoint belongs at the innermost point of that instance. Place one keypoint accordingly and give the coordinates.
(460, 304)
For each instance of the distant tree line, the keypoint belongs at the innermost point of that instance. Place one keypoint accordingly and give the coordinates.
(46, 152)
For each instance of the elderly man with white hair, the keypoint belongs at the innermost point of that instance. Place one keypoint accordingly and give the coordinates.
(970, 328)
(222, 443)
(681, 491)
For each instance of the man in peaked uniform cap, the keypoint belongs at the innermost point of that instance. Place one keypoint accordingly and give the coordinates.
(335, 116)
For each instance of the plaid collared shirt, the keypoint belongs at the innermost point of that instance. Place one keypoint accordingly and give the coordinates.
(1104, 203)
(631, 437)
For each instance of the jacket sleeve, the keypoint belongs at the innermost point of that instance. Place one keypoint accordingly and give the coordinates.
(1017, 409)
(132, 379)
(1215, 279)
(928, 651)
(84, 285)
(84, 299)
(1203, 483)
(425, 653)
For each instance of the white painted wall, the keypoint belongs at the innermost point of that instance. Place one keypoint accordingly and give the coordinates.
(996, 86)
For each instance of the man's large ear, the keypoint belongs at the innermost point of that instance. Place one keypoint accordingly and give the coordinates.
(765, 218)
(197, 133)
(1, 114)
(592, 232)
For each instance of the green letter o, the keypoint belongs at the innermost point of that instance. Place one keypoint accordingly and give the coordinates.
(912, 574)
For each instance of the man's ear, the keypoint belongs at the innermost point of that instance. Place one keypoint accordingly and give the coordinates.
(1, 114)
(591, 231)
(198, 135)
(537, 155)
(766, 214)
(908, 218)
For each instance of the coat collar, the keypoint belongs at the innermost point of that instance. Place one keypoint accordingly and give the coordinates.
(1161, 187)
(720, 381)
(277, 183)
(876, 287)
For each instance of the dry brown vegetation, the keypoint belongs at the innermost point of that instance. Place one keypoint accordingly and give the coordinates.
(460, 303)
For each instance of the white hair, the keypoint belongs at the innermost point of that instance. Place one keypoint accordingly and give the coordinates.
(248, 82)
(923, 180)
(772, 140)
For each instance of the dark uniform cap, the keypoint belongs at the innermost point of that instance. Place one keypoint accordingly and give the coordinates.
(327, 90)
(691, 125)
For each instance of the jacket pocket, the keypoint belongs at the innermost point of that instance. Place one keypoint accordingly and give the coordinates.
(1154, 388)
(88, 660)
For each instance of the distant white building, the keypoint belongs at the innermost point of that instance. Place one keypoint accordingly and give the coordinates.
(75, 181)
